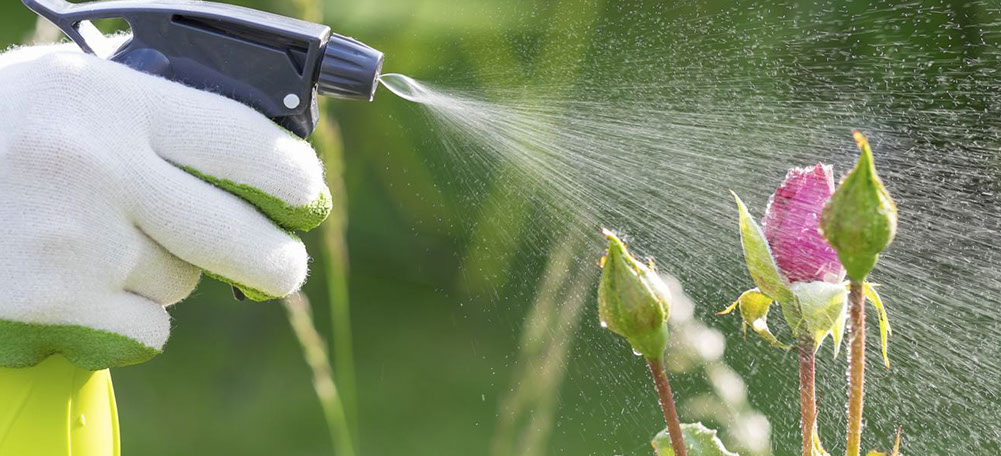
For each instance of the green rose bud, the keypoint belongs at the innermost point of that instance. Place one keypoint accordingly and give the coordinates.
(860, 219)
(633, 301)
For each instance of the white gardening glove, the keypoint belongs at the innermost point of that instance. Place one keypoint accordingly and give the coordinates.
(118, 188)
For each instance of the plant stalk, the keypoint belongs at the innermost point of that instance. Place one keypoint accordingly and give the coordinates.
(667, 404)
(807, 393)
(326, 139)
(334, 232)
(314, 349)
(856, 373)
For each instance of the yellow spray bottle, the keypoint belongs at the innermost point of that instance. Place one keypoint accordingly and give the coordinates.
(55, 408)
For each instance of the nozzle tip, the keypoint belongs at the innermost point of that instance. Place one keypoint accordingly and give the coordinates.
(349, 69)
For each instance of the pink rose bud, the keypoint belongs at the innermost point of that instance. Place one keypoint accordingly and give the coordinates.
(791, 226)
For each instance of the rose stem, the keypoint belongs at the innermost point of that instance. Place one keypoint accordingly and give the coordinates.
(856, 373)
(807, 393)
(667, 404)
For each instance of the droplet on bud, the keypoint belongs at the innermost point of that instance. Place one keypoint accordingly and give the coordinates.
(633, 301)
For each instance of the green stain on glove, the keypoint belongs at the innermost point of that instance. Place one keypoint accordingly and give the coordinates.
(27, 344)
(301, 218)
(251, 293)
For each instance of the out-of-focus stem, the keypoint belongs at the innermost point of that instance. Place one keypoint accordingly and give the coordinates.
(315, 352)
(807, 393)
(525, 414)
(856, 373)
(667, 404)
(309, 10)
(327, 141)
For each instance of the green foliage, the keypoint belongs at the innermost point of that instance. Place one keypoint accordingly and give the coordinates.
(754, 306)
(894, 452)
(884, 321)
(823, 309)
(860, 219)
(699, 441)
(818, 448)
(758, 256)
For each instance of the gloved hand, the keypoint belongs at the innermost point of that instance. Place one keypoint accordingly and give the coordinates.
(118, 188)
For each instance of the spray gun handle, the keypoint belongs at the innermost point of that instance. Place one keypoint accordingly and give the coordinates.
(264, 60)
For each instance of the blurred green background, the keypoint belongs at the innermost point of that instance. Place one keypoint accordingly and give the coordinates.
(448, 267)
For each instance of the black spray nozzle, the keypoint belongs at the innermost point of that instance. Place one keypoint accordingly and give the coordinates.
(274, 64)
(349, 69)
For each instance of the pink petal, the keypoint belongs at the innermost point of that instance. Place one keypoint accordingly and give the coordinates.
(790, 226)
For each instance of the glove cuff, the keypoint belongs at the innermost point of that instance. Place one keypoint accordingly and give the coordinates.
(27, 344)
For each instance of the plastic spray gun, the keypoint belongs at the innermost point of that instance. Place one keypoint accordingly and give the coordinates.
(274, 64)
